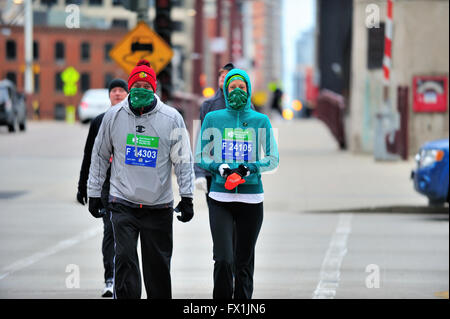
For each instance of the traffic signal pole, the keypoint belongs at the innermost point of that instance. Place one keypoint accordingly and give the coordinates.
(163, 26)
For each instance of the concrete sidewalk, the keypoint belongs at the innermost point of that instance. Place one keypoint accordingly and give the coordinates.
(315, 175)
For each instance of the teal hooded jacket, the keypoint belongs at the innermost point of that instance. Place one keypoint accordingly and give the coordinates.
(237, 136)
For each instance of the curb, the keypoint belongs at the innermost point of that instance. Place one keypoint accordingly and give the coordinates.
(391, 209)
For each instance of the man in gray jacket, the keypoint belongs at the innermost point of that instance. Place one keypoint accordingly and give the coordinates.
(145, 138)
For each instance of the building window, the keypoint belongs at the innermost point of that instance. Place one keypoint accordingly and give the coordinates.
(108, 47)
(108, 78)
(77, 2)
(35, 50)
(36, 83)
(85, 51)
(177, 3)
(177, 26)
(119, 23)
(11, 50)
(12, 77)
(95, 2)
(49, 2)
(375, 53)
(59, 51)
(60, 111)
(85, 82)
(117, 2)
(58, 82)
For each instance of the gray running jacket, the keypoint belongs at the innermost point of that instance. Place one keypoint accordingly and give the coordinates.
(143, 150)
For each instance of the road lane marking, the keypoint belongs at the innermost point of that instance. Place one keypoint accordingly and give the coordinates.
(330, 273)
(62, 245)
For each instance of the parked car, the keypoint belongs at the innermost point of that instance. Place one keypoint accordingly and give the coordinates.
(432, 172)
(93, 103)
(13, 110)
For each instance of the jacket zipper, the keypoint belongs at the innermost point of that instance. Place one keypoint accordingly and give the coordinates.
(237, 126)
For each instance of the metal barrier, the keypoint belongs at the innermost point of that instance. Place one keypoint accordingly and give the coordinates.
(400, 143)
(188, 105)
(330, 109)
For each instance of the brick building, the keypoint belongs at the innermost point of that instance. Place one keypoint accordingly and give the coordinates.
(87, 50)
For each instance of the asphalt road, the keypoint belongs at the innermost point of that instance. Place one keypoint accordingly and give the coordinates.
(50, 246)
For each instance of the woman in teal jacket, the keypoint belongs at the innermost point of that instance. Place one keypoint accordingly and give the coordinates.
(230, 148)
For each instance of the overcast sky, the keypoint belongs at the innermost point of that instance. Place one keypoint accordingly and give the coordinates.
(298, 16)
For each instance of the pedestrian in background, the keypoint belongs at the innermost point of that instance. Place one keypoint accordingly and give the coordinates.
(237, 134)
(118, 91)
(145, 138)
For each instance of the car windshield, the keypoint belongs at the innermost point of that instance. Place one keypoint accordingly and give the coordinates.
(3, 95)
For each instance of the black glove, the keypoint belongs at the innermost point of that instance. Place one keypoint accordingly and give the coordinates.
(186, 207)
(242, 170)
(225, 170)
(82, 196)
(96, 207)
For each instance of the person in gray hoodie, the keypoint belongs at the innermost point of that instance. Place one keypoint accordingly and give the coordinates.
(145, 138)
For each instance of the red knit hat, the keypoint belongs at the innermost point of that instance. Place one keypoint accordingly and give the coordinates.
(142, 72)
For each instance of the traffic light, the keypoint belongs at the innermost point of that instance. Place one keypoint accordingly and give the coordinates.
(165, 82)
(163, 26)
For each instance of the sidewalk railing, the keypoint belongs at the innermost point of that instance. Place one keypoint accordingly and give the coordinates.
(188, 105)
(330, 109)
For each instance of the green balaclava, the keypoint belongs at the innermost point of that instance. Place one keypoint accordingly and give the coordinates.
(140, 98)
(237, 99)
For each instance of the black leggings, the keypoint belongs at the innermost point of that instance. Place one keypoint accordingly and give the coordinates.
(234, 258)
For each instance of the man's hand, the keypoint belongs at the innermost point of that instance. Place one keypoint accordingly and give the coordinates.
(95, 206)
(186, 208)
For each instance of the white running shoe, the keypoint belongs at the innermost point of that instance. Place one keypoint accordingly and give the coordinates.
(108, 290)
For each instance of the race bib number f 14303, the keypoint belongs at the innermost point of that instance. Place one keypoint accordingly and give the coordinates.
(141, 152)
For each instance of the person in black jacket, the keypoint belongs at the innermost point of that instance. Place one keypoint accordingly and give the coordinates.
(118, 90)
(217, 102)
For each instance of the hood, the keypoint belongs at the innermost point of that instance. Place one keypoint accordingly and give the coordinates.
(437, 144)
(249, 88)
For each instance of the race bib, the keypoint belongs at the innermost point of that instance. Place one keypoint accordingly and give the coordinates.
(141, 152)
(237, 145)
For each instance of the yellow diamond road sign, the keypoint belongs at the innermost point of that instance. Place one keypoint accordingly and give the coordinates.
(142, 43)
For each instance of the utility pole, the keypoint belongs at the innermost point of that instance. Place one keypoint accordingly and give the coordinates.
(140, 7)
(28, 26)
(198, 48)
(28, 35)
(218, 35)
(236, 30)
(142, 11)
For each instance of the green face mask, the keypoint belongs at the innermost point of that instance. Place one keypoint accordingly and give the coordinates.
(140, 97)
(237, 99)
